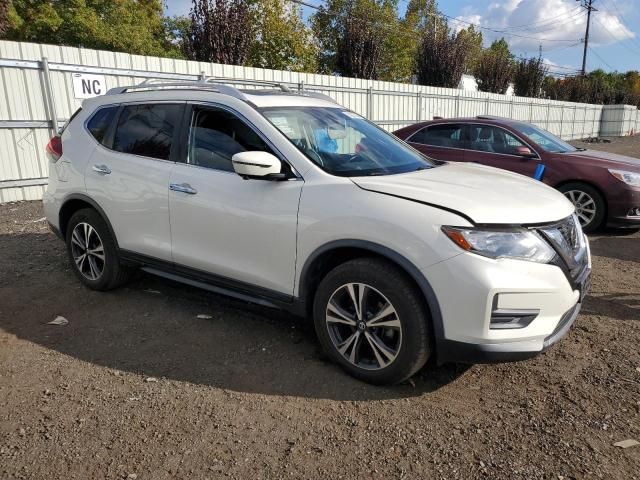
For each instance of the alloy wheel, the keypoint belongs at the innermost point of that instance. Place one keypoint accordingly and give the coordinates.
(364, 326)
(585, 205)
(87, 251)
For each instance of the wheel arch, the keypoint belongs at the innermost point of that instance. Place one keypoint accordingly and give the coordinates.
(332, 254)
(75, 202)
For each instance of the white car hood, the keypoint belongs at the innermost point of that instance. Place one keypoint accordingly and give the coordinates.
(483, 194)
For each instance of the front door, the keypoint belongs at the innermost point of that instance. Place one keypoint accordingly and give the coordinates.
(496, 147)
(221, 224)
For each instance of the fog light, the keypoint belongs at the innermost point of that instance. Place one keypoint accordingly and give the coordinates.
(634, 212)
(503, 318)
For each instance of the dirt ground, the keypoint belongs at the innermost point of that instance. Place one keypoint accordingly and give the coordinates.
(137, 386)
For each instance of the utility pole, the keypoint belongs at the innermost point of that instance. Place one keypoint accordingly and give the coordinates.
(588, 4)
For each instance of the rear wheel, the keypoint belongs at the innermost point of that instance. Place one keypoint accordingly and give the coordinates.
(590, 206)
(92, 251)
(371, 320)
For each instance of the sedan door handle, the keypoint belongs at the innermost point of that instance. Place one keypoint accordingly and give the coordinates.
(103, 169)
(183, 188)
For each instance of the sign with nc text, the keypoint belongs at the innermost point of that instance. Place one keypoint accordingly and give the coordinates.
(88, 85)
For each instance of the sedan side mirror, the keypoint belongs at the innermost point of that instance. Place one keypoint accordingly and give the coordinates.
(525, 152)
(258, 165)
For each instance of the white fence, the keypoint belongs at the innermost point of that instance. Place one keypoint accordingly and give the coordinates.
(37, 96)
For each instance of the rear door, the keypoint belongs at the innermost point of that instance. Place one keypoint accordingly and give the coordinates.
(445, 141)
(128, 175)
(496, 147)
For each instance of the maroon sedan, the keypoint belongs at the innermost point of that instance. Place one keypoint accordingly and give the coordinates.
(604, 187)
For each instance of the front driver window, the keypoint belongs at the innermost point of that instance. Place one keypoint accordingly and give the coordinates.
(486, 138)
(216, 135)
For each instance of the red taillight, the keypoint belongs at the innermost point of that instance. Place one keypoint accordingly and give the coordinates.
(54, 148)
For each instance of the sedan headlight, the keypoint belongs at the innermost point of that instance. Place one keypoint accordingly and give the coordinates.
(520, 244)
(630, 178)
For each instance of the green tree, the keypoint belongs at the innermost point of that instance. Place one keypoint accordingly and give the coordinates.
(529, 75)
(176, 31)
(283, 41)
(401, 45)
(442, 55)
(4, 16)
(472, 39)
(494, 71)
(352, 36)
(133, 26)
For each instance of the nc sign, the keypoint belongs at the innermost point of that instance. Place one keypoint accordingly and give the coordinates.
(86, 85)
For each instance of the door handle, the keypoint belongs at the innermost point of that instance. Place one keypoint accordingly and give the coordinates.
(103, 169)
(183, 188)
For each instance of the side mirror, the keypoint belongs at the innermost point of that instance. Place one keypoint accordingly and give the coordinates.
(258, 165)
(525, 152)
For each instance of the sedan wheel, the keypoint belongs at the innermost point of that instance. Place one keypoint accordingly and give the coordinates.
(364, 326)
(585, 206)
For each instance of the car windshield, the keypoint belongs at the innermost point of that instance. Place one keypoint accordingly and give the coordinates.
(343, 143)
(547, 141)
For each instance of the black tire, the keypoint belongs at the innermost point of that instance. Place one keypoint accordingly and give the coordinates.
(600, 206)
(388, 283)
(113, 273)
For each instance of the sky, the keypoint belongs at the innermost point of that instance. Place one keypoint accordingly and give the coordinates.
(557, 25)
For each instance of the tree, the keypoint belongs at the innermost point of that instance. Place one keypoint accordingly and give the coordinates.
(282, 42)
(494, 70)
(176, 31)
(441, 55)
(529, 75)
(4, 16)
(133, 26)
(351, 36)
(222, 31)
(472, 40)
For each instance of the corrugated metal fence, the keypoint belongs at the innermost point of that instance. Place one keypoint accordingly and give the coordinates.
(36, 84)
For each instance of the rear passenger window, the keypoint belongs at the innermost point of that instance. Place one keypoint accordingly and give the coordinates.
(147, 130)
(217, 135)
(100, 123)
(446, 135)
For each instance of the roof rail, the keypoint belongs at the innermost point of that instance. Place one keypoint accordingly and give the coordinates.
(214, 84)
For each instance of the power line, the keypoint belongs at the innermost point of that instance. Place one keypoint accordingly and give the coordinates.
(315, 7)
(620, 17)
(602, 59)
(503, 32)
(616, 39)
(546, 21)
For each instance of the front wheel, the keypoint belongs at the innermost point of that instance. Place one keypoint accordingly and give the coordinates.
(372, 321)
(590, 206)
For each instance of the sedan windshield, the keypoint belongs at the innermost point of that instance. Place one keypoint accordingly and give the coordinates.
(343, 143)
(547, 141)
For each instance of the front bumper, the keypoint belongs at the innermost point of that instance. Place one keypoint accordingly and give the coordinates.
(470, 289)
(461, 352)
(620, 203)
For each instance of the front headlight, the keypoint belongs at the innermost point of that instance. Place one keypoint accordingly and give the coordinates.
(630, 178)
(520, 244)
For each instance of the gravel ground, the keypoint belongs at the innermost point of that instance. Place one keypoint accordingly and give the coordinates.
(137, 386)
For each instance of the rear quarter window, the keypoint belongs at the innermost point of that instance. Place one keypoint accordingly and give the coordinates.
(98, 125)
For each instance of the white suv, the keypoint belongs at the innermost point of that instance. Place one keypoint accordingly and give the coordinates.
(289, 200)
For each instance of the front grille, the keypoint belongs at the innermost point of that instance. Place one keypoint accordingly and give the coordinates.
(567, 239)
